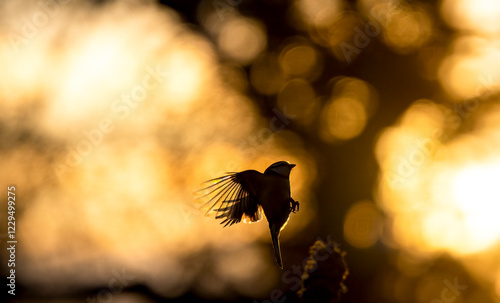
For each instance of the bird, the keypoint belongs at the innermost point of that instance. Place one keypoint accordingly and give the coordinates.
(244, 196)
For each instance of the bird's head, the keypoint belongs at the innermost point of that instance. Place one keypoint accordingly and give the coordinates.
(281, 168)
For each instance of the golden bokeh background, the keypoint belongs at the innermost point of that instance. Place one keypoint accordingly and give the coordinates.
(114, 112)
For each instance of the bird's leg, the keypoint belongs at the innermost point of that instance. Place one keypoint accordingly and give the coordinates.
(294, 205)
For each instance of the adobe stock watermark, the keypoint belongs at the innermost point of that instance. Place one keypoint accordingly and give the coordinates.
(364, 35)
(293, 277)
(120, 109)
(115, 285)
(450, 292)
(223, 7)
(31, 25)
(424, 148)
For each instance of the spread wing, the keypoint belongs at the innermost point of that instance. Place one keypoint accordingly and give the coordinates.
(232, 198)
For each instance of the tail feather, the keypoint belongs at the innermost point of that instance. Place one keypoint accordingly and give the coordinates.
(277, 250)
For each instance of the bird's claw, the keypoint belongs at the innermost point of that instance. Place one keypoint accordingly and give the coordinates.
(294, 205)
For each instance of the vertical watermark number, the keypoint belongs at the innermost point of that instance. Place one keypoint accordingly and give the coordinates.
(11, 242)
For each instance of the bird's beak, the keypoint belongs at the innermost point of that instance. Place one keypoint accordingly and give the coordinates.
(293, 165)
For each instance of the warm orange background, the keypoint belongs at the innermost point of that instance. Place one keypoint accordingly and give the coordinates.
(114, 112)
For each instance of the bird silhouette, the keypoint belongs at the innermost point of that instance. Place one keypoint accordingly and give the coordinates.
(243, 196)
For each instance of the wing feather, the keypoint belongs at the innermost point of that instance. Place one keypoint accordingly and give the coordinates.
(232, 198)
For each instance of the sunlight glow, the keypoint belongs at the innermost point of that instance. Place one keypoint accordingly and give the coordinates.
(190, 72)
(438, 184)
(347, 112)
(318, 12)
(469, 70)
(455, 199)
(300, 60)
(94, 63)
(403, 26)
(118, 112)
(477, 194)
(242, 39)
(477, 15)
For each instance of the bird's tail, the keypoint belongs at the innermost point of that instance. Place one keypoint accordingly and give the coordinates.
(275, 233)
